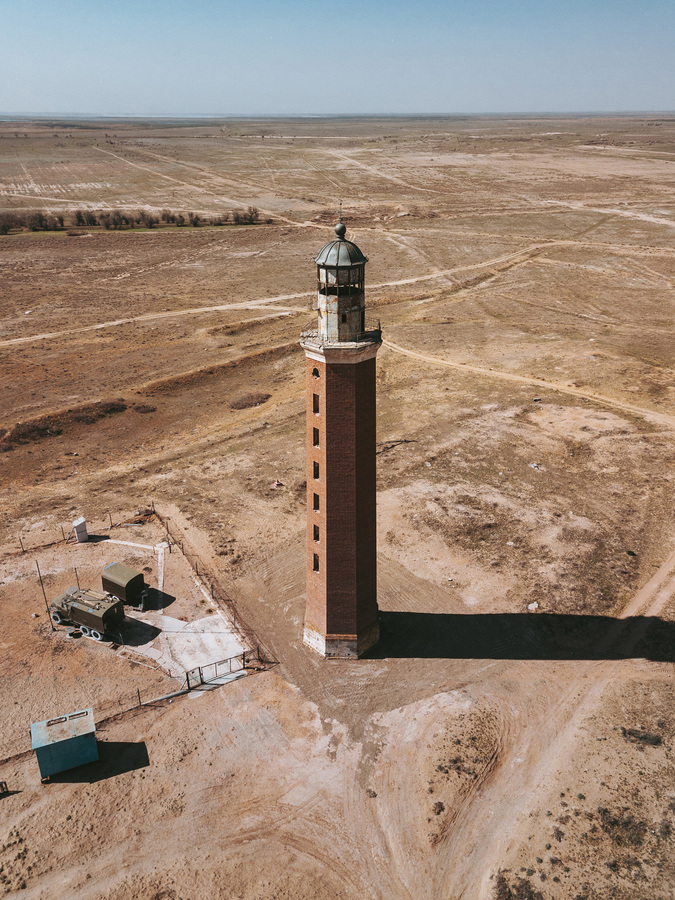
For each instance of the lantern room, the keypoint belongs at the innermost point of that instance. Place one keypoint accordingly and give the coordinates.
(340, 269)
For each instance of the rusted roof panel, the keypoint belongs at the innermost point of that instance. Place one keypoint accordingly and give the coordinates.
(62, 728)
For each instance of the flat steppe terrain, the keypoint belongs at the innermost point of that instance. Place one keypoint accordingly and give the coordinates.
(523, 271)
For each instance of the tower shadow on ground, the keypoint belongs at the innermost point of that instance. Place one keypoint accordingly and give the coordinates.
(542, 636)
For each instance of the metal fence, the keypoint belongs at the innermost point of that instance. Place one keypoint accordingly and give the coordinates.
(18, 745)
(249, 659)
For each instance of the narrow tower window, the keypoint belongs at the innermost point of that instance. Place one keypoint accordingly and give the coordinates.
(316, 502)
(316, 469)
(315, 564)
(344, 318)
(315, 437)
(315, 404)
(315, 373)
(316, 533)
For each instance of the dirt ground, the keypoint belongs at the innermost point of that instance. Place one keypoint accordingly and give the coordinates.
(486, 749)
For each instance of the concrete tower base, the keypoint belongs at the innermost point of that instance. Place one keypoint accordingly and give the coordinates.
(342, 646)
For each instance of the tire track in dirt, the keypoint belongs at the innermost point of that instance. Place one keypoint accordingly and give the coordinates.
(254, 304)
(375, 171)
(195, 187)
(661, 418)
(87, 204)
(175, 262)
(544, 743)
(623, 213)
(176, 313)
(499, 263)
(621, 327)
(232, 182)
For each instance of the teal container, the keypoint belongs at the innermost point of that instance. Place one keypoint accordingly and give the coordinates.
(64, 742)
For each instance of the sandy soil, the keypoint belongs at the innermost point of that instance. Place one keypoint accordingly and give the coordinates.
(524, 273)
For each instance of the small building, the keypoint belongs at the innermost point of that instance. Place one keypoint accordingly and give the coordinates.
(64, 742)
(126, 584)
(80, 528)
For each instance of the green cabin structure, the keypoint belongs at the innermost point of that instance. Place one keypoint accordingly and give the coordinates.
(126, 584)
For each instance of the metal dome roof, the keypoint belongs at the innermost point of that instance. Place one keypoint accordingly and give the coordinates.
(340, 252)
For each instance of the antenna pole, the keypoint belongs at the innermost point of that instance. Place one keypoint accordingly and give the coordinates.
(44, 595)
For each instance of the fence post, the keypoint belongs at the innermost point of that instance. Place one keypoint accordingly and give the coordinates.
(23, 549)
(138, 691)
(44, 595)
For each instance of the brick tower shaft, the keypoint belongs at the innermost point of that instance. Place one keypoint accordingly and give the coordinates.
(341, 618)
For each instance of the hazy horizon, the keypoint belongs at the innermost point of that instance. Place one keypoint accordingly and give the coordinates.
(525, 114)
(263, 58)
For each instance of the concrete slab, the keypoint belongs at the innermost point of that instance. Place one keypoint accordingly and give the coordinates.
(181, 646)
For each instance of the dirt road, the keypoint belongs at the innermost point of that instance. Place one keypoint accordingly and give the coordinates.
(658, 418)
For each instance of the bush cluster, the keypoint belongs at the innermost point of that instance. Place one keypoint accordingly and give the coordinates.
(33, 221)
(117, 219)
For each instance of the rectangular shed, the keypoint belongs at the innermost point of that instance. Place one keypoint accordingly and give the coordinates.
(64, 742)
(126, 584)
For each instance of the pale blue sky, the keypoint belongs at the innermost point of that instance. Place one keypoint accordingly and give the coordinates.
(285, 57)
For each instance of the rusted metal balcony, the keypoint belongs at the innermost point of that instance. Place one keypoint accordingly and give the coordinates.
(371, 335)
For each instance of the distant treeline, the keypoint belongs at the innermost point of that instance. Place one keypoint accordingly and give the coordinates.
(118, 220)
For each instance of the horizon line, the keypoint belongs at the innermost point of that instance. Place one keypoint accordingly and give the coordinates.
(371, 115)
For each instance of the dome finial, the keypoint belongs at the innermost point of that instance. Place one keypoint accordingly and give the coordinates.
(340, 229)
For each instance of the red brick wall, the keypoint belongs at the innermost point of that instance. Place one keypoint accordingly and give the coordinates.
(342, 596)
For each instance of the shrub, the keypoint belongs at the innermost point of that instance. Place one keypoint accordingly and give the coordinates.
(7, 221)
(623, 829)
(147, 219)
(246, 401)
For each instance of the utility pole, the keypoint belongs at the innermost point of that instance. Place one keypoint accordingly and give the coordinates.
(44, 595)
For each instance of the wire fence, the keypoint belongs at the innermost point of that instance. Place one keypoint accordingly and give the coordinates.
(64, 534)
(211, 583)
(256, 658)
(16, 746)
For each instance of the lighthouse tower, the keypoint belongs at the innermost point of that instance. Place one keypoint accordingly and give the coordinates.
(341, 614)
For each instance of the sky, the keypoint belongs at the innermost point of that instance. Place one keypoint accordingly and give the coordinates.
(311, 57)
